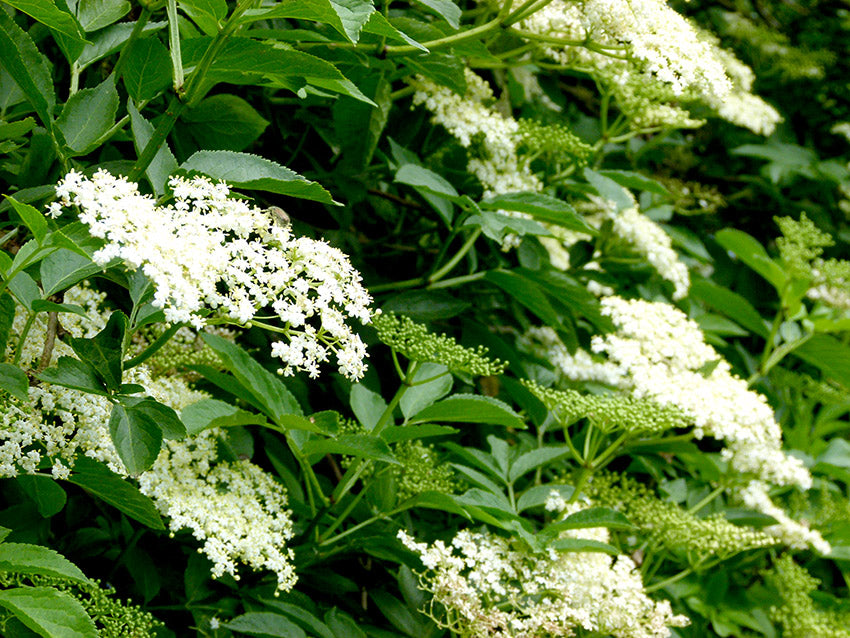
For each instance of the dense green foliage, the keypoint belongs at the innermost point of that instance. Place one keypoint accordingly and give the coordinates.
(595, 251)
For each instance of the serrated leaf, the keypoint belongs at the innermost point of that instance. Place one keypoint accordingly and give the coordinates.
(446, 9)
(471, 408)
(7, 317)
(541, 207)
(14, 381)
(136, 436)
(147, 69)
(609, 189)
(48, 495)
(536, 458)
(225, 122)
(444, 69)
(49, 612)
(591, 517)
(730, 304)
(88, 115)
(582, 545)
(266, 625)
(97, 14)
(165, 417)
(28, 67)
(104, 351)
(526, 292)
(98, 479)
(538, 495)
(163, 163)
(636, 181)
(752, 253)
(35, 559)
(42, 305)
(395, 434)
(73, 373)
(46, 12)
(419, 397)
(32, 218)
(379, 25)
(359, 445)
(63, 269)
(423, 178)
(207, 14)
(107, 41)
(244, 170)
(359, 126)
(211, 413)
(367, 406)
(267, 388)
(827, 354)
(353, 14)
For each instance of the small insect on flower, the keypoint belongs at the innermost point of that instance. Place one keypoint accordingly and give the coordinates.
(279, 216)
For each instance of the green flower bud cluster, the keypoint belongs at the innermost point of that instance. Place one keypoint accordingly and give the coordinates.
(414, 341)
(669, 525)
(112, 617)
(421, 471)
(693, 198)
(798, 615)
(801, 243)
(611, 412)
(555, 141)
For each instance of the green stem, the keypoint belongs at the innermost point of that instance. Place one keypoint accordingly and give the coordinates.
(456, 281)
(605, 457)
(169, 119)
(711, 496)
(524, 10)
(342, 516)
(440, 43)
(675, 578)
(174, 46)
(451, 263)
(359, 526)
(24, 333)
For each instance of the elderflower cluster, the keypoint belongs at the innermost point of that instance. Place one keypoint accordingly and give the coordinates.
(741, 107)
(668, 524)
(212, 255)
(235, 509)
(414, 341)
(664, 356)
(543, 341)
(493, 587)
(787, 530)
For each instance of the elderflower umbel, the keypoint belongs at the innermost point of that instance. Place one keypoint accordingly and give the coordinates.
(664, 357)
(212, 256)
(493, 587)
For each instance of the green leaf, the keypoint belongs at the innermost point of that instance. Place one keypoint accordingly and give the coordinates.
(265, 624)
(443, 68)
(358, 125)
(422, 178)
(752, 253)
(408, 432)
(136, 436)
(46, 12)
(635, 181)
(88, 115)
(446, 9)
(96, 14)
(379, 25)
(541, 207)
(49, 612)
(147, 69)
(527, 293)
(98, 479)
(63, 269)
(582, 545)
(367, 406)
(538, 495)
(212, 413)
(35, 559)
(7, 317)
(609, 189)
(166, 418)
(302, 617)
(163, 163)
(326, 422)
(827, 354)
(14, 381)
(244, 170)
(32, 218)
(28, 67)
(109, 40)
(359, 445)
(104, 351)
(419, 397)
(73, 373)
(225, 122)
(730, 304)
(591, 517)
(207, 14)
(48, 495)
(536, 458)
(267, 388)
(471, 408)
(353, 14)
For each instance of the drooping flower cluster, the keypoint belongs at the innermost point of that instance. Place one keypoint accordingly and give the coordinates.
(235, 509)
(665, 357)
(213, 256)
(494, 587)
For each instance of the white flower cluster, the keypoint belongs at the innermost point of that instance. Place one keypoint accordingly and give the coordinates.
(209, 255)
(490, 587)
(787, 530)
(544, 342)
(236, 510)
(473, 123)
(664, 356)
